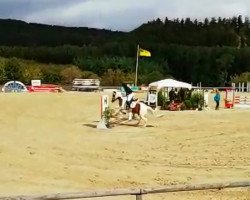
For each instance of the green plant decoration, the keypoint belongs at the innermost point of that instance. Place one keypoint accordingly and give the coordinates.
(197, 100)
(107, 114)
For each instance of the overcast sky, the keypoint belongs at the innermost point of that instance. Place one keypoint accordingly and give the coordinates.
(123, 15)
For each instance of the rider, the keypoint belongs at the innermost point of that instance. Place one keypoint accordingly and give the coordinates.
(130, 98)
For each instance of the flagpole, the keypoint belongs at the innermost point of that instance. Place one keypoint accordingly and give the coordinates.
(137, 62)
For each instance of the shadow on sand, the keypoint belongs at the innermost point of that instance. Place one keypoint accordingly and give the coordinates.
(90, 125)
(130, 124)
(115, 124)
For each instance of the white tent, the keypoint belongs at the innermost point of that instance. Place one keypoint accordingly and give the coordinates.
(170, 83)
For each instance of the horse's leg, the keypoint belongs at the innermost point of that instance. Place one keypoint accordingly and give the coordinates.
(139, 120)
(122, 113)
(130, 115)
(145, 120)
(117, 112)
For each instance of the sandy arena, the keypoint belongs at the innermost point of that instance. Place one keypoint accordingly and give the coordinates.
(49, 144)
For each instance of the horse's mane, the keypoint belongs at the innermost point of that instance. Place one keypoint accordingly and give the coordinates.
(119, 94)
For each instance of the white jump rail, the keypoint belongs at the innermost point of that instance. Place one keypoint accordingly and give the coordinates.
(136, 192)
(241, 102)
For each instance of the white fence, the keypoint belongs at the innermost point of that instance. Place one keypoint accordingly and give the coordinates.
(138, 193)
(242, 87)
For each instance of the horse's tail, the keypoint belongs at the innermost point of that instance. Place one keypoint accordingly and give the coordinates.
(151, 110)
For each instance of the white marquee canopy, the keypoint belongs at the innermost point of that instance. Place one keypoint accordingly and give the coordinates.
(170, 83)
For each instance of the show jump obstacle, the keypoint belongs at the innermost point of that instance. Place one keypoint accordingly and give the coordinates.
(37, 86)
(235, 100)
(241, 102)
(14, 86)
(44, 88)
(104, 104)
(230, 98)
(86, 84)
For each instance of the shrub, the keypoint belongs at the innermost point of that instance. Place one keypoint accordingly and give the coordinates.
(107, 115)
(162, 101)
(244, 77)
(12, 69)
(115, 77)
(197, 100)
(70, 73)
(51, 74)
(89, 75)
(31, 72)
(187, 104)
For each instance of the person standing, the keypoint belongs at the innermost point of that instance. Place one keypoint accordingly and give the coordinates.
(172, 95)
(217, 99)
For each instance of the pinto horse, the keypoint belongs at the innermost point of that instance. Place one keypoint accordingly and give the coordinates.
(138, 108)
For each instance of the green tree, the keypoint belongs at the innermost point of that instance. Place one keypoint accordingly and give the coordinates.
(70, 73)
(12, 69)
(2, 71)
(244, 77)
(31, 73)
(115, 77)
(2, 74)
(89, 75)
(151, 77)
(51, 74)
(224, 63)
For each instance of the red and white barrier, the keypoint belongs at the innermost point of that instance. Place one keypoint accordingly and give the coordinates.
(241, 102)
(44, 88)
(230, 98)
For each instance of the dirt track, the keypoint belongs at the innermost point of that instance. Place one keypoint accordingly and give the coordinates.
(49, 144)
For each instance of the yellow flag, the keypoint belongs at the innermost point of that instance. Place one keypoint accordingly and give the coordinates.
(143, 52)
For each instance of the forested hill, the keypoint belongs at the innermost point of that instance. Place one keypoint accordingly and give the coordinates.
(211, 32)
(211, 51)
(19, 33)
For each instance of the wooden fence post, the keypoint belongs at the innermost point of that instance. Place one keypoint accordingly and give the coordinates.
(139, 197)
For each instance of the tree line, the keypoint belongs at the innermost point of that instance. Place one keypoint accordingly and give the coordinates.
(26, 70)
(213, 51)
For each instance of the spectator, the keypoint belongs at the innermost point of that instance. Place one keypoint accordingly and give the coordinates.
(172, 95)
(217, 99)
(182, 94)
